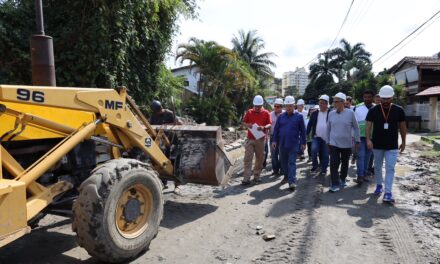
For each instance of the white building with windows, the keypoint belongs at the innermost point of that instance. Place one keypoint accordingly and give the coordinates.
(298, 79)
(191, 77)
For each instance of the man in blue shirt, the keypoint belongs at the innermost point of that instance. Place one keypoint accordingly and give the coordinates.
(288, 134)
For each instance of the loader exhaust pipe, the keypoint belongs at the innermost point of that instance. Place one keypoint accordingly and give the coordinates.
(42, 56)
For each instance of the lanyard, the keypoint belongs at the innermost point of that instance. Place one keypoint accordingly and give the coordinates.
(383, 112)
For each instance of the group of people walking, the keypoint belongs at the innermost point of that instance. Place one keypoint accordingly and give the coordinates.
(330, 134)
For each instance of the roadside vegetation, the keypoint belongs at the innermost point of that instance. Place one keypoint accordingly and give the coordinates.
(347, 69)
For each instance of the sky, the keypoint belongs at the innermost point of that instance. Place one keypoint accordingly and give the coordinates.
(296, 31)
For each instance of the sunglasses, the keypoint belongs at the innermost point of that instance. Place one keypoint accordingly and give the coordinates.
(277, 106)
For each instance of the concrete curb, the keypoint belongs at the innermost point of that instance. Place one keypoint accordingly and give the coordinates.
(436, 143)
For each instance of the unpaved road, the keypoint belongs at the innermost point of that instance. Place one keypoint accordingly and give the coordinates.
(311, 225)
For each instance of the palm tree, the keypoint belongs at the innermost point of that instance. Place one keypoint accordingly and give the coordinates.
(222, 74)
(351, 58)
(248, 47)
(211, 59)
(325, 67)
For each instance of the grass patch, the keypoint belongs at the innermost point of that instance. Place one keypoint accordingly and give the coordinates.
(430, 154)
(437, 178)
(435, 137)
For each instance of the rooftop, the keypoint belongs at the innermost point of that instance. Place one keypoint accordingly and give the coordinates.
(435, 90)
(416, 60)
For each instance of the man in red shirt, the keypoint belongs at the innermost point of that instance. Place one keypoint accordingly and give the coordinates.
(258, 120)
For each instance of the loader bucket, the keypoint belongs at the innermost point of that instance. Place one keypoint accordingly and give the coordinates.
(200, 156)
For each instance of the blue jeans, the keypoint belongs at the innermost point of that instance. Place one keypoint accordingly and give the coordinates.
(288, 163)
(319, 146)
(390, 157)
(275, 156)
(362, 158)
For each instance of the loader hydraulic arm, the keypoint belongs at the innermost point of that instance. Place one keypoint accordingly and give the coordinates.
(111, 106)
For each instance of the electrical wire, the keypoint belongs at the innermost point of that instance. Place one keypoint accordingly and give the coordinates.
(339, 31)
(409, 41)
(405, 38)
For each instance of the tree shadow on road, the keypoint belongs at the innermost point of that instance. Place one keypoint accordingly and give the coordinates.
(180, 213)
(41, 246)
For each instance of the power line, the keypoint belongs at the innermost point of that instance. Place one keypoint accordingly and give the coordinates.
(339, 31)
(414, 37)
(405, 38)
(342, 25)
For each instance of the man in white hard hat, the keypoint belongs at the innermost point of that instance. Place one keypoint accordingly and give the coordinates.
(274, 152)
(300, 110)
(289, 135)
(385, 120)
(317, 126)
(341, 126)
(257, 120)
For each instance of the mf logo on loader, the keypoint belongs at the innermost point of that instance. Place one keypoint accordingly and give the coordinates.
(115, 105)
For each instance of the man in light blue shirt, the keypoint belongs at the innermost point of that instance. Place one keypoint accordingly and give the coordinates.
(341, 123)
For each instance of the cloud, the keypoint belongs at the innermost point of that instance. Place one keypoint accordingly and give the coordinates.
(298, 31)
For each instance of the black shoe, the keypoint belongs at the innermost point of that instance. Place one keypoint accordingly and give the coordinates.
(257, 181)
(244, 183)
(314, 170)
(359, 180)
(284, 180)
(292, 187)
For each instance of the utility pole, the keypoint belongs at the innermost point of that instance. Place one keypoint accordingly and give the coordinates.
(43, 63)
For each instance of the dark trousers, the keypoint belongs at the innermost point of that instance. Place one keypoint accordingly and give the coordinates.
(339, 156)
(309, 149)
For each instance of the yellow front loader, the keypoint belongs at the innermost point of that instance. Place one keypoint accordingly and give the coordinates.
(90, 153)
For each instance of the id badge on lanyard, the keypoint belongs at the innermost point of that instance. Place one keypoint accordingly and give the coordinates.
(386, 125)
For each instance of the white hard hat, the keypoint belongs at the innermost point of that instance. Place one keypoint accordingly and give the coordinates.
(300, 102)
(289, 100)
(341, 96)
(258, 100)
(386, 91)
(324, 97)
(278, 101)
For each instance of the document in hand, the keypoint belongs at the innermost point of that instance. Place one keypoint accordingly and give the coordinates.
(257, 133)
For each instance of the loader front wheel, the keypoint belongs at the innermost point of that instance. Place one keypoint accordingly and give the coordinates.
(119, 210)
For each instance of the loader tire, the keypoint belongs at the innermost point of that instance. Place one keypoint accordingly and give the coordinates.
(118, 210)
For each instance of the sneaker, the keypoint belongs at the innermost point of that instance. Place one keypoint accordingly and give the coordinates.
(334, 189)
(309, 160)
(257, 181)
(245, 183)
(284, 180)
(322, 174)
(292, 186)
(378, 190)
(388, 197)
(343, 184)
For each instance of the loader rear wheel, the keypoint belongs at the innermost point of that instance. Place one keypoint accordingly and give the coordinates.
(118, 210)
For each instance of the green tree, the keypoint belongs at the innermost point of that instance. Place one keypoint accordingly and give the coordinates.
(223, 78)
(249, 47)
(96, 43)
(351, 58)
(325, 66)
